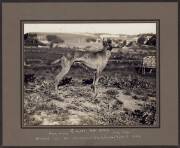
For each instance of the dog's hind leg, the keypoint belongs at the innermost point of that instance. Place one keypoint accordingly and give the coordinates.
(66, 65)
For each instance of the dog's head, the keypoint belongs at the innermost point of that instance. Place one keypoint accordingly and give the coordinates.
(107, 44)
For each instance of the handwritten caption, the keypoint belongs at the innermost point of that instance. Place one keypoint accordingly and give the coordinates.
(88, 134)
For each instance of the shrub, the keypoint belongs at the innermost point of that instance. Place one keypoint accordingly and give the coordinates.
(91, 40)
(51, 37)
(152, 41)
(54, 39)
(112, 92)
(30, 39)
(141, 40)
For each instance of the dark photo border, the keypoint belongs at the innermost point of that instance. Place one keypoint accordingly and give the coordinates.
(92, 21)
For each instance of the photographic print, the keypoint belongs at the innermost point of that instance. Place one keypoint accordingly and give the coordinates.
(90, 74)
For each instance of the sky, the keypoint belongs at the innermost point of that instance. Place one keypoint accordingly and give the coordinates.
(112, 28)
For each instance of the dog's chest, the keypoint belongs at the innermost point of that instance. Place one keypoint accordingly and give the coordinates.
(108, 54)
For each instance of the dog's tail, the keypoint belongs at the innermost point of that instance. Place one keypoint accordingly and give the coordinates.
(56, 61)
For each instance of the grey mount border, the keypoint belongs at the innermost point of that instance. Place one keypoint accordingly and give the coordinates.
(67, 1)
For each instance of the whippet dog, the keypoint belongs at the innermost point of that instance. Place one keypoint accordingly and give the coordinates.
(94, 60)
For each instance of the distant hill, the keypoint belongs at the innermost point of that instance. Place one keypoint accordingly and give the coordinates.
(86, 41)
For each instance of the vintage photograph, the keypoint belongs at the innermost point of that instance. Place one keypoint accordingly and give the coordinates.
(90, 74)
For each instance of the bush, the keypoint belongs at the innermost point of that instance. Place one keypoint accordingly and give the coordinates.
(54, 39)
(30, 39)
(30, 36)
(91, 40)
(51, 37)
(141, 40)
(112, 92)
(152, 41)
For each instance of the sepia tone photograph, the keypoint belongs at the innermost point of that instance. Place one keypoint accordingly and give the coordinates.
(90, 74)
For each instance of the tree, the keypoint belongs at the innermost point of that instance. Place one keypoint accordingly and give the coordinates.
(141, 40)
(152, 41)
(30, 39)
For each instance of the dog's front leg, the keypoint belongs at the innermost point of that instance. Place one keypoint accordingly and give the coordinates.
(95, 83)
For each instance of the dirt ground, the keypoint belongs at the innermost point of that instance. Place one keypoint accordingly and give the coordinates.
(125, 97)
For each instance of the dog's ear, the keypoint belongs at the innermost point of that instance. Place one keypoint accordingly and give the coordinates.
(104, 43)
(107, 44)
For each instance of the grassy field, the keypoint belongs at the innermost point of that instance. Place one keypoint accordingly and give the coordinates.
(125, 98)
